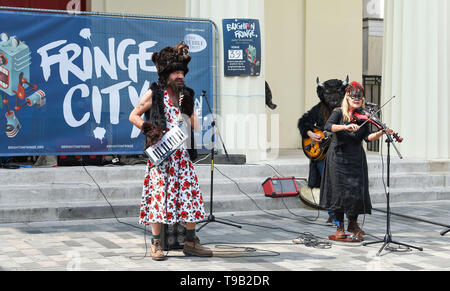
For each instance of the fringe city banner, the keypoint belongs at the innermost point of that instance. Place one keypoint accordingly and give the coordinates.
(68, 82)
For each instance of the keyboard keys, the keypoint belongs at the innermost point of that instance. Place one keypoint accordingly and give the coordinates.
(172, 140)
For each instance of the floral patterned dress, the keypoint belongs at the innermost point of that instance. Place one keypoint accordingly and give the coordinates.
(171, 192)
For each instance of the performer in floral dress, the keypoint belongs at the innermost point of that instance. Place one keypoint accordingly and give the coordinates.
(171, 192)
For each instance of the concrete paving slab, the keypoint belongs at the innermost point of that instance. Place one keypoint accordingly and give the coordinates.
(106, 244)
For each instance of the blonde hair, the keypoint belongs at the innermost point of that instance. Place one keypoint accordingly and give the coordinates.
(345, 107)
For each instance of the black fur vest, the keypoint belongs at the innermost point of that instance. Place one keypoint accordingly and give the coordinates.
(156, 115)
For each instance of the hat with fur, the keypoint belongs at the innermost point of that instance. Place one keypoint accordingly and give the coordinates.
(171, 59)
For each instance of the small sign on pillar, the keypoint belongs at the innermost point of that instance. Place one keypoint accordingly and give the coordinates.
(242, 47)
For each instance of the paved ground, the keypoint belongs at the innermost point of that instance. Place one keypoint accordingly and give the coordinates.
(110, 245)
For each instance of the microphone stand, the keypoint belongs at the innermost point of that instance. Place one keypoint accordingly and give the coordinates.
(211, 217)
(388, 236)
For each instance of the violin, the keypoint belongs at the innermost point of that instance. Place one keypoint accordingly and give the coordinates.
(361, 116)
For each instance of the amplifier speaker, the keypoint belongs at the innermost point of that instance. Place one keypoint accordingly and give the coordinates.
(69, 161)
(280, 187)
(172, 236)
(95, 160)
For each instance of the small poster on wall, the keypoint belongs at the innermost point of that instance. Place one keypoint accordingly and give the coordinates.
(242, 47)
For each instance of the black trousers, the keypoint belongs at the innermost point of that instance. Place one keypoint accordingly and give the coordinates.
(340, 216)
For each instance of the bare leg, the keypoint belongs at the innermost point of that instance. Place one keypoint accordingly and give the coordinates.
(156, 228)
(190, 225)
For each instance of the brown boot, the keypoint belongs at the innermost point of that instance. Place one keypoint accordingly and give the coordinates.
(354, 228)
(156, 251)
(193, 248)
(340, 233)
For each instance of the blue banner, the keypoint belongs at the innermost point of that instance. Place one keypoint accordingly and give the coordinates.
(69, 82)
(242, 47)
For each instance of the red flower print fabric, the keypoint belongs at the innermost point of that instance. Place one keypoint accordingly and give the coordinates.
(171, 192)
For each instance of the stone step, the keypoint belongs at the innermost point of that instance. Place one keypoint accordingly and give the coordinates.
(128, 208)
(39, 175)
(64, 193)
(89, 191)
(55, 211)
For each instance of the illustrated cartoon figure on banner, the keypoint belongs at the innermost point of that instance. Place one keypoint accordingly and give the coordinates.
(250, 52)
(15, 61)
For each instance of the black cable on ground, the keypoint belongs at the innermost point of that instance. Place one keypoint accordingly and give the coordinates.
(413, 218)
(8, 166)
(307, 239)
(263, 210)
(116, 218)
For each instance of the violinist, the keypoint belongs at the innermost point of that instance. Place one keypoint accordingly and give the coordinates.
(345, 185)
(331, 93)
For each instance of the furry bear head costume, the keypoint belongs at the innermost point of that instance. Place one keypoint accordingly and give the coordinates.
(171, 59)
(332, 92)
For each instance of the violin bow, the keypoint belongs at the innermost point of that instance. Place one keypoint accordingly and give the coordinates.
(372, 115)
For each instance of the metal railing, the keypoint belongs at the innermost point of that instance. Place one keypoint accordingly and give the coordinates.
(372, 88)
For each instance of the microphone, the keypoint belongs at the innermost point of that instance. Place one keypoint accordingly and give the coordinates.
(184, 92)
(372, 104)
(180, 102)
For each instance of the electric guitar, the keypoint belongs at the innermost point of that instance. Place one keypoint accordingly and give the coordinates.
(314, 150)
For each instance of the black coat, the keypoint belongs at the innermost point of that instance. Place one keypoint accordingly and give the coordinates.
(313, 117)
(345, 182)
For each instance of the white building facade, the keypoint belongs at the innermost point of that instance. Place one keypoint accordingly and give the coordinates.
(306, 39)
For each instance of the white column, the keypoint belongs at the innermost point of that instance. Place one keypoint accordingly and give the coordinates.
(240, 100)
(416, 70)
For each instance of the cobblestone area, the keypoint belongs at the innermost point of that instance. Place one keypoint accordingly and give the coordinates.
(109, 245)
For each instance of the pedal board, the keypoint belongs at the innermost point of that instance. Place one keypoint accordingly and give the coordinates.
(347, 239)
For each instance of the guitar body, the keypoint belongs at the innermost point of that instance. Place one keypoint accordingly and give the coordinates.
(313, 150)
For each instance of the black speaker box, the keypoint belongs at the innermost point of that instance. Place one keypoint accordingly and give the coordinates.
(80, 160)
(64, 161)
(92, 160)
(172, 236)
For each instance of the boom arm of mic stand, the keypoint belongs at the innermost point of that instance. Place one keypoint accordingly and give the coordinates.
(223, 145)
(214, 123)
(211, 217)
(389, 136)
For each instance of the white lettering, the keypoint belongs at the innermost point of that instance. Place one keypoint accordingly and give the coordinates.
(121, 48)
(67, 106)
(145, 56)
(86, 63)
(66, 64)
(70, 52)
(97, 104)
(114, 100)
(102, 62)
(48, 61)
